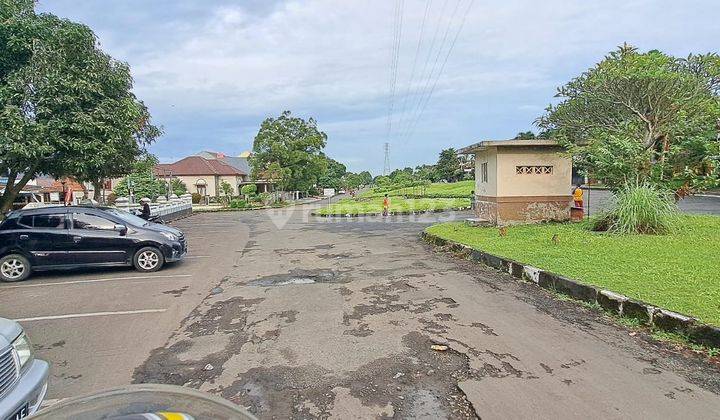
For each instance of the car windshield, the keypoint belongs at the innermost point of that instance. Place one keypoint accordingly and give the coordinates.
(128, 217)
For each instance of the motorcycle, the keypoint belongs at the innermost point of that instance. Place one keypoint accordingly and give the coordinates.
(152, 219)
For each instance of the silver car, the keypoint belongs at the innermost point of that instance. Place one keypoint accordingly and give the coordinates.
(23, 379)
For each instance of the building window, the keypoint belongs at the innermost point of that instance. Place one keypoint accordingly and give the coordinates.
(534, 170)
(484, 172)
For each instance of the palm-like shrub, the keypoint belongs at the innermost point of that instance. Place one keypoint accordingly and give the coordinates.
(639, 209)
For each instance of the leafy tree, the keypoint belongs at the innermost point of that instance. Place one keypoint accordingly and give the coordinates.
(248, 190)
(525, 135)
(333, 176)
(467, 164)
(141, 181)
(353, 181)
(349, 181)
(292, 148)
(178, 187)
(277, 175)
(226, 188)
(382, 181)
(448, 166)
(642, 117)
(66, 108)
(425, 172)
(366, 178)
(399, 175)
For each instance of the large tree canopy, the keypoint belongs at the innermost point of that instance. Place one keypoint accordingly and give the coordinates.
(141, 182)
(646, 116)
(66, 107)
(289, 150)
(333, 175)
(448, 166)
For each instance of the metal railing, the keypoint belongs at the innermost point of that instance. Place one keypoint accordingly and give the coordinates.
(164, 208)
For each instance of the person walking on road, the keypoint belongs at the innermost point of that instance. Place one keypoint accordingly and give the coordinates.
(386, 205)
(578, 196)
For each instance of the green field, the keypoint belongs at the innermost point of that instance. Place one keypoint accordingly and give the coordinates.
(366, 206)
(680, 271)
(460, 189)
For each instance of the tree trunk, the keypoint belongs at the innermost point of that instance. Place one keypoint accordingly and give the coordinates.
(663, 152)
(12, 189)
(97, 190)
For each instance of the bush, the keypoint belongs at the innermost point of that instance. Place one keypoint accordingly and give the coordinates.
(238, 204)
(639, 208)
(196, 198)
(110, 199)
(265, 198)
(178, 187)
(249, 189)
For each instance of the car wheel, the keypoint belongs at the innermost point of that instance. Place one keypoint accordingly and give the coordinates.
(14, 267)
(148, 259)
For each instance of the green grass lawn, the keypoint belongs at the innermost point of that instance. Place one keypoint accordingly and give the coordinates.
(680, 271)
(460, 189)
(397, 204)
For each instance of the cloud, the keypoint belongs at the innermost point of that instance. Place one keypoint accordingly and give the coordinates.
(212, 71)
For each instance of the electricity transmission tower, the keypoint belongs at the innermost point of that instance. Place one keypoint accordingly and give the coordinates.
(386, 166)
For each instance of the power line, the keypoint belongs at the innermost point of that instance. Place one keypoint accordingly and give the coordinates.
(414, 65)
(394, 60)
(386, 165)
(426, 87)
(411, 130)
(427, 61)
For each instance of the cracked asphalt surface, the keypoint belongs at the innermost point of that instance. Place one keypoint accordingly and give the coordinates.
(312, 318)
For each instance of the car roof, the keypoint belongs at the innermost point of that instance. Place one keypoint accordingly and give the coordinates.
(39, 210)
(56, 210)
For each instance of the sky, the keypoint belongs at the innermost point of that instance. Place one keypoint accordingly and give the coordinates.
(211, 71)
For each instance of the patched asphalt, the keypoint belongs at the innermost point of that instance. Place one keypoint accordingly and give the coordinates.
(317, 318)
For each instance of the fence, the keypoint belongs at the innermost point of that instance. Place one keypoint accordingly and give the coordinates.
(174, 208)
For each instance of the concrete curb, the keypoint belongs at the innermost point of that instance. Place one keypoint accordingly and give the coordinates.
(229, 209)
(653, 316)
(392, 213)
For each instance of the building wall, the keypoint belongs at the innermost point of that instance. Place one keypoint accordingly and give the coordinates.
(512, 184)
(232, 180)
(511, 197)
(488, 157)
(190, 182)
(212, 187)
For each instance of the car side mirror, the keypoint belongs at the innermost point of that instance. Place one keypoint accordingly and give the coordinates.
(122, 229)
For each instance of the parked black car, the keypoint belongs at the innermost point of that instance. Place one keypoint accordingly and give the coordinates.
(68, 237)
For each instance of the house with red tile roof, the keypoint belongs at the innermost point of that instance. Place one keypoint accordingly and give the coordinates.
(54, 190)
(203, 173)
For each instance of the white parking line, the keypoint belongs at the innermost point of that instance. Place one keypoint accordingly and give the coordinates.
(196, 256)
(95, 281)
(86, 315)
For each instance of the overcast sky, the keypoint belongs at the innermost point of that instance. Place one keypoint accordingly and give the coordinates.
(211, 71)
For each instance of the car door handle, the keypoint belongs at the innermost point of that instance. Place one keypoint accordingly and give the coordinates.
(77, 239)
(23, 237)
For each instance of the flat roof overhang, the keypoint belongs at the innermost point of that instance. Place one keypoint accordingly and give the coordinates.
(506, 143)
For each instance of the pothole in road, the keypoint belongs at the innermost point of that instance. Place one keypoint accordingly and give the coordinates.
(300, 277)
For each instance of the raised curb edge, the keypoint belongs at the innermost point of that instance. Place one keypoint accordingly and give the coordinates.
(622, 305)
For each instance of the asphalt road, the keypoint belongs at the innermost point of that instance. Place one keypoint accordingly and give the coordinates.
(599, 200)
(96, 327)
(293, 316)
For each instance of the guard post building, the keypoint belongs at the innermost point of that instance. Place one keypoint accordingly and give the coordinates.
(521, 181)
